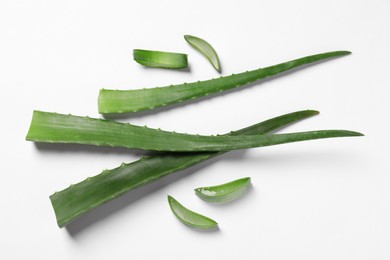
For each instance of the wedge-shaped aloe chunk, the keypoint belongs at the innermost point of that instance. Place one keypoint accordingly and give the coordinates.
(82, 197)
(224, 192)
(161, 59)
(122, 101)
(59, 128)
(206, 49)
(190, 217)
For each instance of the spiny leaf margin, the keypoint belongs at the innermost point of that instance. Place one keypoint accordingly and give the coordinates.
(127, 101)
(60, 128)
(80, 198)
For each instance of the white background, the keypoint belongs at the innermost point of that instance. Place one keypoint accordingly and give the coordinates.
(325, 199)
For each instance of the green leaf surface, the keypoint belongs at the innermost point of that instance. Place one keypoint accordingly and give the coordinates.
(190, 217)
(206, 49)
(123, 101)
(84, 196)
(59, 128)
(224, 192)
(160, 59)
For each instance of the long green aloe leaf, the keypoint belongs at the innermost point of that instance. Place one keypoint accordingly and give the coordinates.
(59, 128)
(123, 101)
(82, 197)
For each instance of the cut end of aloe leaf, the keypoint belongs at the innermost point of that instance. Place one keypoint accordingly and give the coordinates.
(33, 129)
(206, 49)
(189, 217)
(61, 222)
(225, 192)
(161, 59)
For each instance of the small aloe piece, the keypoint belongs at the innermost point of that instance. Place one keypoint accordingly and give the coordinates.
(206, 49)
(59, 128)
(161, 59)
(123, 101)
(84, 196)
(190, 217)
(224, 192)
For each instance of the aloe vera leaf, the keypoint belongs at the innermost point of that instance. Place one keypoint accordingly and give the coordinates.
(123, 101)
(190, 217)
(206, 49)
(224, 192)
(161, 59)
(84, 196)
(59, 128)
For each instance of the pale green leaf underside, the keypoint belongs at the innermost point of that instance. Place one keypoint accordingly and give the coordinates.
(206, 49)
(224, 192)
(122, 101)
(59, 128)
(190, 217)
(161, 59)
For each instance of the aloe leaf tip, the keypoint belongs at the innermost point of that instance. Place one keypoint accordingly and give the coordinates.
(313, 112)
(359, 134)
(343, 52)
(352, 133)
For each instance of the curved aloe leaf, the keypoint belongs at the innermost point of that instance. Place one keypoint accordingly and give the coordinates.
(161, 59)
(123, 101)
(190, 217)
(206, 49)
(58, 128)
(82, 197)
(224, 192)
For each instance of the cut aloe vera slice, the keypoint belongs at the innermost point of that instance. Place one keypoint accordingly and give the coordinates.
(190, 217)
(161, 59)
(224, 192)
(206, 49)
